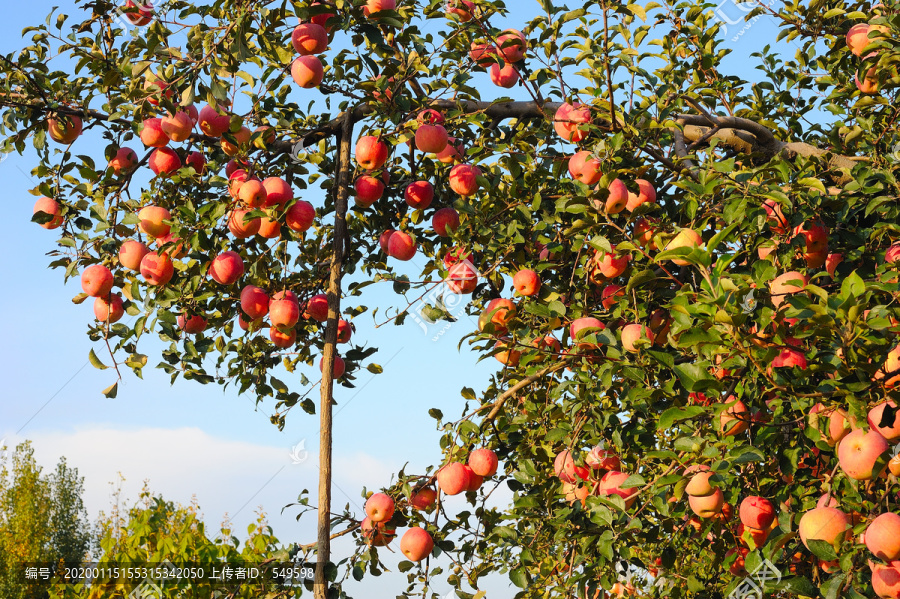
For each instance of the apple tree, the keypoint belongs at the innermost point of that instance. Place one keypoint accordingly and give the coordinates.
(686, 274)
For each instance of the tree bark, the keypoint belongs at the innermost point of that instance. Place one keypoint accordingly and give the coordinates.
(342, 194)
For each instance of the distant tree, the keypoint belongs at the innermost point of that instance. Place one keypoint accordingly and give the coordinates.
(42, 519)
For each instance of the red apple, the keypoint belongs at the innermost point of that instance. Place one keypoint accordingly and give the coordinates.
(609, 294)
(152, 133)
(445, 221)
(863, 454)
(369, 189)
(300, 216)
(883, 536)
(401, 246)
(131, 253)
(377, 534)
(109, 309)
(858, 38)
(684, 238)
(568, 119)
(253, 194)
(157, 269)
(462, 277)
(379, 507)
(506, 76)
(707, 506)
(585, 168)
(375, 6)
(193, 325)
(757, 512)
(52, 208)
(164, 161)
(453, 478)
(212, 123)
(64, 129)
(178, 126)
(371, 152)
(254, 302)
(464, 179)
(240, 226)
(284, 312)
(227, 268)
(423, 498)
(416, 544)
(512, 45)
(278, 192)
(317, 307)
(527, 282)
(281, 339)
(483, 462)
(419, 194)
(339, 367)
(307, 71)
(309, 38)
(97, 280)
(431, 139)
(196, 160)
(611, 483)
(824, 524)
(124, 161)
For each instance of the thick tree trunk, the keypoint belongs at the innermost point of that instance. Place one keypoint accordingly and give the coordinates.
(323, 545)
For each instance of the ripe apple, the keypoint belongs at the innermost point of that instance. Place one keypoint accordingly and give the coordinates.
(564, 467)
(483, 462)
(883, 536)
(581, 327)
(527, 282)
(97, 280)
(886, 580)
(789, 358)
(374, 6)
(173, 245)
(602, 459)
(401, 246)
(282, 339)
(644, 232)
(227, 268)
(831, 263)
(378, 534)
(753, 538)
(609, 294)
(734, 420)
(252, 193)
(52, 208)
(858, 38)
(193, 325)
(64, 129)
(512, 45)
(236, 180)
(423, 499)
(618, 197)
(156, 88)
(240, 226)
(484, 54)
(300, 216)
(576, 492)
(254, 302)
(707, 506)
(131, 253)
(212, 123)
(461, 9)
(585, 168)
(321, 18)
(827, 524)
(339, 367)
(431, 138)
(452, 153)
(344, 331)
(309, 38)
(815, 235)
(371, 152)
(152, 221)
(152, 133)
(631, 333)
(307, 71)
(109, 309)
(863, 454)
(196, 160)
(508, 354)
(453, 478)
(416, 544)
(547, 344)
(157, 269)
(646, 195)
(269, 228)
(278, 192)
(369, 189)
(475, 481)
(178, 126)
(462, 277)
(610, 265)
(445, 221)
(419, 194)
(241, 141)
(699, 485)
(464, 179)
(611, 483)
(684, 238)
(785, 285)
(124, 161)
(506, 76)
(568, 119)
(164, 161)
(317, 307)
(757, 512)
(499, 311)
(379, 507)
(891, 432)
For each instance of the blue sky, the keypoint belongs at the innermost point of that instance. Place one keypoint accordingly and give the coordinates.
(192, 439)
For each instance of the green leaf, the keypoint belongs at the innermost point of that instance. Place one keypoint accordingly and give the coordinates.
(673, 415)
(405, 566)
(375, 368)
(111, 391)
(691, 375)
(853, 285)
(822, 550)
(95, 361)
(519, 577)
(637, 11)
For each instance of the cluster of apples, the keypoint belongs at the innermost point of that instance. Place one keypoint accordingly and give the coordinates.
(431, 137)
(453, 479)
(599, 476)
(813, 233)
(858, 38)
(500, 58)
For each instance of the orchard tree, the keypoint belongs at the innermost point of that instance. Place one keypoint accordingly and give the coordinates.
(688, 277)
